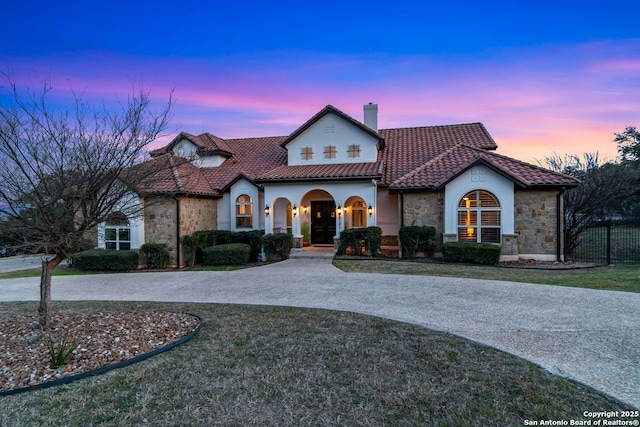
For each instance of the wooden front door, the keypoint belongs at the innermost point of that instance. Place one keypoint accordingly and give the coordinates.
(323, 222)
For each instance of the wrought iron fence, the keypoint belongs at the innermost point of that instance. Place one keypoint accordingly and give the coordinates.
(608, 244)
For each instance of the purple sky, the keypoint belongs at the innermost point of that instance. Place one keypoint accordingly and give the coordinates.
(542, 77)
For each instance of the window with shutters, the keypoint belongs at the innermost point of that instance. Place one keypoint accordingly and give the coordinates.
(479, 218)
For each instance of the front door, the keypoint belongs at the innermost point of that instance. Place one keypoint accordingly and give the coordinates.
(323, 222)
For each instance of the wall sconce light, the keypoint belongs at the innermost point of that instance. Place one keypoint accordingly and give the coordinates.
(266, 210)
(370, 209)
(339, 210)
(304, 209)
(294, 211)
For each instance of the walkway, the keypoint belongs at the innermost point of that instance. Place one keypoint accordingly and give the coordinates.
(586, 335)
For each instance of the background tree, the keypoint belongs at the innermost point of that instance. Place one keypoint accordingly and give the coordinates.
(602, 194)
(628, 144)
(64, 173)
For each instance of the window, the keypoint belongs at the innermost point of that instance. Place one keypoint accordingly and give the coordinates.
(307, 153)
(244, 212)
(358, 215)
(479, 218)
(330, 152)
(117, 232)
(353, 152)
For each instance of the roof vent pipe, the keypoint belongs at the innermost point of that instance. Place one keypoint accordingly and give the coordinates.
(371, 116)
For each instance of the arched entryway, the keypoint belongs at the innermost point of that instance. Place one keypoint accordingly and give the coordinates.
(318, 217)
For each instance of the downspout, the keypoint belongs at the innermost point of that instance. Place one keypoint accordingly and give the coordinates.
(177, 232)
(401, 209)
(375, 200)
(559, 231)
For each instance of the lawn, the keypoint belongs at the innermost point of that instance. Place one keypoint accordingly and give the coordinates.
(278, 366)
(611, 277)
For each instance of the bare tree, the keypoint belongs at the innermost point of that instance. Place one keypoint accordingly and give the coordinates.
(64, 173)
(600, 192)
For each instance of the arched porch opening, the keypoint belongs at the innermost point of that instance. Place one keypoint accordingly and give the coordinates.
(281, 216)
(318, 219)
(356, 212)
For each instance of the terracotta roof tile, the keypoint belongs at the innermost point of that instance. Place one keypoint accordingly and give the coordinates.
(419, 157)
(168, 174)
(454, 161)
(409, 148)
(341, 171)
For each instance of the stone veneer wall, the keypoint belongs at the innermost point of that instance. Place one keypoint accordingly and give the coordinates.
(536, 223)
(161, 220)
(425, 209)
(160, 223)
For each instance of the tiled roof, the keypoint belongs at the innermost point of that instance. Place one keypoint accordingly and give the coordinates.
(252, 157)
(456, 160)
(409, 148)
(168, 174)
(408, 158)
(206, 143)
(341, 171)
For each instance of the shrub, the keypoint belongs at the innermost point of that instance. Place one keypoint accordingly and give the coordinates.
(189, 250)
(414, 239)
(207, 238)
(353, 239)
(252, 238)
(156, 253)
(105, 260)
(476, 253)
(277, 246)
(229, 254)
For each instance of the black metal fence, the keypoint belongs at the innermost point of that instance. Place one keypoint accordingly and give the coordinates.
(608, 244)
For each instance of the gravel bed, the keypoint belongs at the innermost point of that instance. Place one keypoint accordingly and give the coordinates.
(102, 339)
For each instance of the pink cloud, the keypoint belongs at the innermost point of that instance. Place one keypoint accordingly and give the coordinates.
(568, 99)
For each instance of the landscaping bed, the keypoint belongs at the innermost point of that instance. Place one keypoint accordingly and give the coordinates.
(102, 339)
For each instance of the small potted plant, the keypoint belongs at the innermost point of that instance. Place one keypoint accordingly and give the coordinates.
(305, 230)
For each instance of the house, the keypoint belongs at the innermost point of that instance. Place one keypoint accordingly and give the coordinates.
(335, 172)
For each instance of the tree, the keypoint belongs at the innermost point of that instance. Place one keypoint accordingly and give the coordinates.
(64, 173)
(601, 194)
(628, 144)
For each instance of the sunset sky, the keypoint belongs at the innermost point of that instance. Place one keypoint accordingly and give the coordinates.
(543, 77)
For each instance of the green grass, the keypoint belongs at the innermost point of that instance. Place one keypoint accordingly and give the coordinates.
(279, 366)
(67, 271)
(612, 277)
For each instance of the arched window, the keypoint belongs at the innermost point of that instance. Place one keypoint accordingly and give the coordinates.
(117, 232)
(479, 218)
(358, 214)
(244, 212)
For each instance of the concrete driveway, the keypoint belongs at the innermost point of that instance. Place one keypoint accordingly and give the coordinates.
(590, 336)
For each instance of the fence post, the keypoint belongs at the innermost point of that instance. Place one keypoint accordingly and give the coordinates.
(608, 243)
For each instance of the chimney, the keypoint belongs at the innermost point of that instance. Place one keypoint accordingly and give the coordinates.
(371, 116)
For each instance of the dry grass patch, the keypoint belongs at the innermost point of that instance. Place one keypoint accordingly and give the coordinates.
(252, 365)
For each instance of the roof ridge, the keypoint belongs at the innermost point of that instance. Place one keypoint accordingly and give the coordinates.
(434, 126)
(176, 175)
(427, 164)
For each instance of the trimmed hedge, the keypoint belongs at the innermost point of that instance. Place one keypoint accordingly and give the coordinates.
(353, 239)
(476, 253)
(156, 254)
(105, 260)
(415, 239)
(189, 250)
(206, 238)
(277, 246)
(229, 254)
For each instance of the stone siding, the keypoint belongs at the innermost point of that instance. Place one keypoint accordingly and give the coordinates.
(536, 222)
(160, 224)
(425, 209)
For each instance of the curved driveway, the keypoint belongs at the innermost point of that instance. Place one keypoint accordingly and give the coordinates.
(590, 336)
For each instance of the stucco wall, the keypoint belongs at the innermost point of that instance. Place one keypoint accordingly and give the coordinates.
(536, 223)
